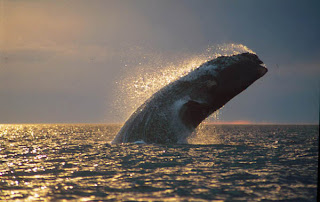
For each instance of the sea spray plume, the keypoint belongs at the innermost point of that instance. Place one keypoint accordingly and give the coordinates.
(172, 114)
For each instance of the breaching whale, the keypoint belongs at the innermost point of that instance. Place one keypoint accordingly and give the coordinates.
(170, 115)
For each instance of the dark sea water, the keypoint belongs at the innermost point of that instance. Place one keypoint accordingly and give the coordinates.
(223, 163)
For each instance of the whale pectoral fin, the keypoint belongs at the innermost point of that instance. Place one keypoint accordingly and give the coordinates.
(192, 113)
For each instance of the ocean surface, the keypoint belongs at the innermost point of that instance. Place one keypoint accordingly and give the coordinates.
(222, 163)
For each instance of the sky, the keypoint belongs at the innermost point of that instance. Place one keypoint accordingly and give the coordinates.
(61, 61)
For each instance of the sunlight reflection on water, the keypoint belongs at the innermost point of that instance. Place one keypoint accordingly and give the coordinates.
(75, 162)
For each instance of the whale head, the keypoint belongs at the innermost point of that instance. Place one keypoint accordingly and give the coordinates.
(216, 82)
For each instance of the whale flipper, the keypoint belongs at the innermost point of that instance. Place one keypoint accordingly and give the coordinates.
(193, 113)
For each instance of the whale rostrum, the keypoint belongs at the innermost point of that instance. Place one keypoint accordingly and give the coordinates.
(170, 115)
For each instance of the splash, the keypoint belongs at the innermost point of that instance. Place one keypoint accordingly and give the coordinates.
(143, 78)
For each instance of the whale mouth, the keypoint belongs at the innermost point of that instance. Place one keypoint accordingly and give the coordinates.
(263, 65)
(263, 69)
(255, 60)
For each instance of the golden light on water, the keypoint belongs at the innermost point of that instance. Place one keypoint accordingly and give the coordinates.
(142, 81)
(74, 162)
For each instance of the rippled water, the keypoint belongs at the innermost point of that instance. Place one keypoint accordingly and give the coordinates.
(228, 163)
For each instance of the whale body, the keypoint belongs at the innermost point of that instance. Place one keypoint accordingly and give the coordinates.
(170, 115)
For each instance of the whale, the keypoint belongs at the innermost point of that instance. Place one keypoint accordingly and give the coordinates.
(170, 115)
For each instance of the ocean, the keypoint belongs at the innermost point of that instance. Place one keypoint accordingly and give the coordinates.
(76, 162)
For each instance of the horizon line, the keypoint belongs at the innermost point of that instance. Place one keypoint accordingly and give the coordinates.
(239, 122)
